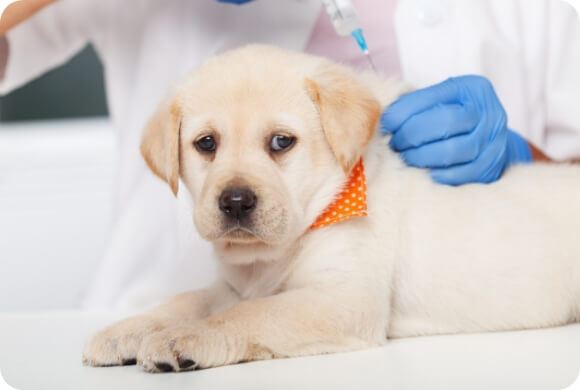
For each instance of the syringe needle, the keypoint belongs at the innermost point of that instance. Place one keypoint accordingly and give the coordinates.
(371, 63)
(362, 44)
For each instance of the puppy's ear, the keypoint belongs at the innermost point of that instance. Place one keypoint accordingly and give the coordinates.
(160, 142)
(348, 111)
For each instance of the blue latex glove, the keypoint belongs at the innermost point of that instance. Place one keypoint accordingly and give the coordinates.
(238, 2)
(457, 129)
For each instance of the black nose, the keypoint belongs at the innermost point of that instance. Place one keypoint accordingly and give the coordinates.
(237, 203)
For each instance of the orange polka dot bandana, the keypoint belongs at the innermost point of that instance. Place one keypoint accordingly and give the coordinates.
(350, 202)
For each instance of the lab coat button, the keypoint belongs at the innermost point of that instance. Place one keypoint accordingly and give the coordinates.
(430, 13)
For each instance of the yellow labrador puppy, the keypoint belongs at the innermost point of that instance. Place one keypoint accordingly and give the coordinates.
(269, 145)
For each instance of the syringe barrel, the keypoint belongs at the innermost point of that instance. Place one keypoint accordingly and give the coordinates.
(342, 15)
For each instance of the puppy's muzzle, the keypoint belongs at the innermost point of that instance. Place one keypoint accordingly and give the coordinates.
(237, 203)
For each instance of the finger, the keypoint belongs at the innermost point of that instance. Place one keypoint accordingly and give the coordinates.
(487, 168)
(460, 149)
(437, 123)
(446, 92)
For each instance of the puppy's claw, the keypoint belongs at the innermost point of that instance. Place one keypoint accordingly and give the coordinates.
(163, 367)
(185, 364)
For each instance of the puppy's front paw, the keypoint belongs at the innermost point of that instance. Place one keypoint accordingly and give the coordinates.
(118, 344)
(187, 348)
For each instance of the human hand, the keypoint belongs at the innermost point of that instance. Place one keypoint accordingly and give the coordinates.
(457, 129)
(18, 11)
(238, 2)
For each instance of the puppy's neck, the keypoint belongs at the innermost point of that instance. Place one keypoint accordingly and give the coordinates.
(261, 277)
(245, 254)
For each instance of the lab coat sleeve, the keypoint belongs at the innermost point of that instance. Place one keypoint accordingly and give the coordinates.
(562, 83)
(47, 39)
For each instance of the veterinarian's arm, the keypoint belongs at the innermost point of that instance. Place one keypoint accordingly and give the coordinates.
(38, 35)
(457, 129)
(12, 15)
(561, 87)
(20, 11)
(538, 155)
(557, 66)
(3, 56)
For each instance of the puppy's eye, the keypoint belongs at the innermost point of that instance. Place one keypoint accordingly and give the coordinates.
(280, 142)
(206, 144)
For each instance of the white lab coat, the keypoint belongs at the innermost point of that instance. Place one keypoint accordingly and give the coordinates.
(530, 49)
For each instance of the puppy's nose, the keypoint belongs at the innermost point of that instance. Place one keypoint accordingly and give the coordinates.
(237, 203)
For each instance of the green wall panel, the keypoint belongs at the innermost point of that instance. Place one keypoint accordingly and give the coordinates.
(73, 90)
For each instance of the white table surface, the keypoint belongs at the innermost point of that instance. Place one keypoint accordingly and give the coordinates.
(56, 210)
(43, 351)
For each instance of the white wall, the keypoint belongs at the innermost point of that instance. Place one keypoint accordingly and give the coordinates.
(56, 182)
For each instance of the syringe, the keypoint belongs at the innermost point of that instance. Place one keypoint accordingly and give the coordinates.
(345, 22)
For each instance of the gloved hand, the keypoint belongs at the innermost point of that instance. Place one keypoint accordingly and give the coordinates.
(238, 2)
(457, 129)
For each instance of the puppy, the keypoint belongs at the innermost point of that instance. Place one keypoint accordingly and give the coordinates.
(276, 149)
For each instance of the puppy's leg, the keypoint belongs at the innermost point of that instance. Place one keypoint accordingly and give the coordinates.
(293, 323)
(118, 344)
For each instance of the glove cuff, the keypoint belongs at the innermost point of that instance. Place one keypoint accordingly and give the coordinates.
(519, 150)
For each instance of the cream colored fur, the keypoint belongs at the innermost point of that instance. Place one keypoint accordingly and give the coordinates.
(428, 259)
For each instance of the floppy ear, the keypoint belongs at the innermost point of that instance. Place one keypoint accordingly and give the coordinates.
(160, 142)
(348, 111)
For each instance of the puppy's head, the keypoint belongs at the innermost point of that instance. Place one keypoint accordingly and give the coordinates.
(262, 139)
